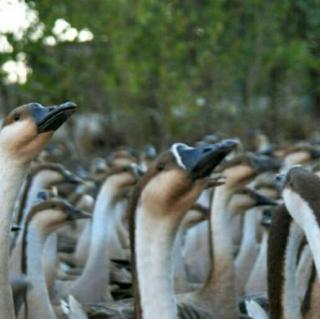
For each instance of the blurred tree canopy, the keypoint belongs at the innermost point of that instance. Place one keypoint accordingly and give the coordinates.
(173, 69)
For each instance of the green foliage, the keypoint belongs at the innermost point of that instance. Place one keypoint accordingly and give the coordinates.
(172, 69)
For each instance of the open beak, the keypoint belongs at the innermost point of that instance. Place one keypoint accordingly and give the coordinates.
(200, 161)
(51, 118)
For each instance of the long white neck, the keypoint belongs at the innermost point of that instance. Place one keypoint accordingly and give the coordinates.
(38, 301)
(38, 182)
(248, 248)
(304, 271)
(50, 260)
(180, 275)
(221, 286)
(11, 177)
(305, 217)
(257, 282)
(290, 293)
(154, 239)
(92, 285)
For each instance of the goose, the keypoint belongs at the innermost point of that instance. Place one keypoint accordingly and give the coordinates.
(305, 272)
(42, 176)
(248, 251)
(302, 153)
(220, 287)
(44, 218)
(123, 156)
(24, 133)
(257, 280)
(300, 189)
(93, 285)
(197, 214)
(86, 203)
(283, 245)
(158, 205)
(241, 200)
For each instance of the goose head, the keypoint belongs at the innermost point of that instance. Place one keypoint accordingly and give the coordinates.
(243, 168)
(120, 179)
(51, 214)
(179, 175)
(300, 188)
(301, 153)
(124, 156)
(246, 198)
(28, 128)
(54, 174)
(264, 184)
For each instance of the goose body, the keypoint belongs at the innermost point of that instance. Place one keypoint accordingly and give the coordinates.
(25, 131)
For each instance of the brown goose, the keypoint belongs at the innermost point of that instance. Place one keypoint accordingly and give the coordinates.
(44, 218)
(93, 284)
(220, 287)
(159, 203)
(300, 189)
(25, 131)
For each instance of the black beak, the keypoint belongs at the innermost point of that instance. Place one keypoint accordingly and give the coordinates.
(265, 163)
(51, 118)
(75, 213)
(263, 200)
(200, 161)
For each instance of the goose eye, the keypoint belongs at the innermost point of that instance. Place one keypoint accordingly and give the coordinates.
(53, 206)
(16, 117)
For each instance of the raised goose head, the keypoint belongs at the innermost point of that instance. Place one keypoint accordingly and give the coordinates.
(300, 190)
(28, 128)
(160, 201)
(177, 177)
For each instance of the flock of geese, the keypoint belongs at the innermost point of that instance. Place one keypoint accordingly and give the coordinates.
(200, 232)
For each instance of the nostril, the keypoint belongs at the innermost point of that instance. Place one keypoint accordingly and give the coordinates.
(51, 108)
(206, 150)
